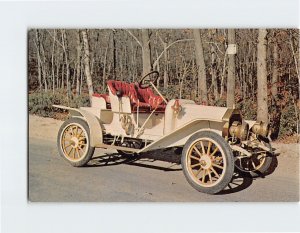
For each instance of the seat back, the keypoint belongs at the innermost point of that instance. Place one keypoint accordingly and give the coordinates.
(138, 96)
(146, 95)
(127, 89)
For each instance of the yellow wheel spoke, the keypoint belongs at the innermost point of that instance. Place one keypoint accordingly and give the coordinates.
(214, 171)
(72, 130)
(203, 176)
(69, 153)
(77, 151)
(210, 179)
(67, 146)
(202, 146)
(81, 149)
(215, 151)
(74, 153)
(198, 172)
(81, 138)
(195, 165)
(67, 139)
(80, 133)
(216, 165)
(76, 130)
(208, 149)
(193, 157)
(196, 149)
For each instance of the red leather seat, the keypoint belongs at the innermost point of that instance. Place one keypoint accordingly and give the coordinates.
(142, 98)
(155, 101)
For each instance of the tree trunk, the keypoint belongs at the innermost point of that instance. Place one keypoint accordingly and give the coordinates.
(166, 78)
(78, 67)
(213, 72)
(114, 55)
(87, 64)
(44, 67)
(231, 71)
(52, 61)
(202, 87)
(66, 51)
(262, 95)
(275, 70)
(104, 69)
(37, 45)
(146, 51)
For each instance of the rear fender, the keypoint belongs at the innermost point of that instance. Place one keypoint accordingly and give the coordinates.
(96, 135)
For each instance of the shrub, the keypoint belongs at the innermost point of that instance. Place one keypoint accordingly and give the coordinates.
(288, 121)
(41, 103)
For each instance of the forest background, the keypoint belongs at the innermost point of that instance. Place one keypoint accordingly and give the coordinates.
(66, 66)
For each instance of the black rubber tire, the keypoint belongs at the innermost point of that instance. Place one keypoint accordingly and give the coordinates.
(264, 168)
(87, 157)
(228, 156)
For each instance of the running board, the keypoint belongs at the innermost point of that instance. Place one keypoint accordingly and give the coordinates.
(106, 146)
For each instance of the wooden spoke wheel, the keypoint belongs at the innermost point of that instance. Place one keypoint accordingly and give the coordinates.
(207, 162)
(257, 164)
(74, 142)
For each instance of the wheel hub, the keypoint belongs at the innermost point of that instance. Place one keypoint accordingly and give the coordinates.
(205, 162)
(74, 142)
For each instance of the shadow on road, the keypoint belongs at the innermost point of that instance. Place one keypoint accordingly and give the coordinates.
(141, 160)
(239, 182)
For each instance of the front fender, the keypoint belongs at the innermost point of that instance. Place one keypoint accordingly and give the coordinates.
(179, 136)
(96, 135)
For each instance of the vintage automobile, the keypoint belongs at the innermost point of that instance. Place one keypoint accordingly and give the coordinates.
(132, 120)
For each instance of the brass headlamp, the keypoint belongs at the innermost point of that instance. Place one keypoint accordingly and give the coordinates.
(261, 128)
(239, 130)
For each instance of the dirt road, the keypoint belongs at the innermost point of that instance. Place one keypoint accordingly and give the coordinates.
(155, 176)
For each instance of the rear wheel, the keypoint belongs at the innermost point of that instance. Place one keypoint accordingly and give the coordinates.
(207, 162)
(73, 142)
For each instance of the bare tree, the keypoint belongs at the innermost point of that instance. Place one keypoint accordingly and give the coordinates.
(39, 60)
(78, 63)
(87, 63)
(146, 51)
(202, 87)
(275, 70)
(66, 55)
(213, 67)
(262, 94)
(231, 71)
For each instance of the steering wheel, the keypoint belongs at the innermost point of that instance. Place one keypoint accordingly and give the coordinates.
(145, 83)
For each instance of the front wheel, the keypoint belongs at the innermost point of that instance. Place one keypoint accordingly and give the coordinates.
(73, 142)
(207, 162)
